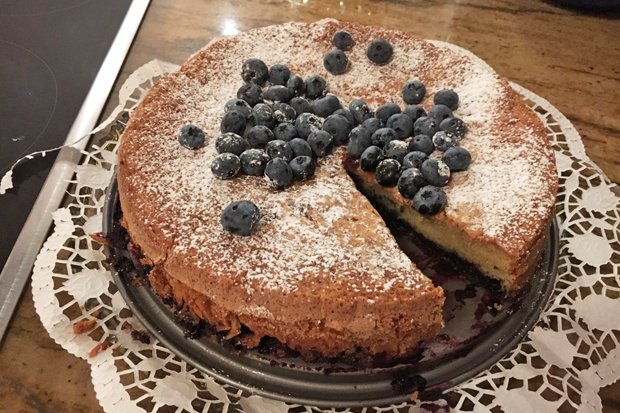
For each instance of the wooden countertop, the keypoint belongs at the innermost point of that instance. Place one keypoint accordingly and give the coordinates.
(571, 59)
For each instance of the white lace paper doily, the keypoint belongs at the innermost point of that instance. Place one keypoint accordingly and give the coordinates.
(571, 353)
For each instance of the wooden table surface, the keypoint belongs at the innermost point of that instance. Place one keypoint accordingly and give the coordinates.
(570, 58)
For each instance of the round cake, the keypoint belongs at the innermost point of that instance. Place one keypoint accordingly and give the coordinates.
(322, 273)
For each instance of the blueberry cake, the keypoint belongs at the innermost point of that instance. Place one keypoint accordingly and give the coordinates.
(245, 177)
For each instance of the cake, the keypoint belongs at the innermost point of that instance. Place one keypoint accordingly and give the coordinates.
(322, 273)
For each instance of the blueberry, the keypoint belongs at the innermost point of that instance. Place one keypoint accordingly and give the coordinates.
(383, 136)
(387, 172)
(225, 166)
(370, 158)
(315, 86)
(300, 105)
(384, 112)
(359, 140)
(347, 114)
(259, 136)
(239, 105)
(262, 114)
(414, 159)
(230, 142)
(395, 150)
(234, 122)
(279, 75)
(379, 51)
(429, 200)
(300, 147)
(342, 40)
(439, 113)
(360, 110)
(402, 125)
(422, 143)
(254, 70)
(425, 125)
(191, 137)
(296, 85)
(335, 61)
(325, 105)
(413, 92)
(278, 149)
(303, 167)
(414, 111)
(278, 173)
(447, 97)
(444, 140)
(457, 159)
(372, 124)
(307, 123)
(251, 93)
(254, 161)
(240, 217)
(339, 127)
(435, 172)
(321, 142)
(454, 126)
(277, 93)
(285, 131)
(283, 112)
(410, 182)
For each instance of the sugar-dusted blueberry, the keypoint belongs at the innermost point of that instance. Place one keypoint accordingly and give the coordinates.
(414, 159)
(335, 61)
(386, 110)
(277, 93)
(254, 161)
(370, 158)
(447, 97)
(342, 40)
(240, 217)
(444, 140)
(251, 93)
(191, 137)
(278, 173)
(239, 105)
(410, 182)
(225, 166)
(373, 124)
(279, 74)
(429, 200)
(402, 125)
(413, 92)
(339, 127)
(321, 142)
(383, 136)
(283, 112)
(396, 150)
(439, 113)
(306, 123)
(296, 85)
(303, 167)
(435, 172)
(326, 105)
(315, 86)
(359, 140)
(360, 110)
(301, 105)
(230, 142)
(457, 159)
(262, 114)
(414, 111)
(387, 172)
(259, 136)
(454, 126)
(347, 114)
(421, 143)
(425, 125)
(279, 149)
(255, 70)
(234, 122)
(300, 147)
(285, 131)
(379, 51)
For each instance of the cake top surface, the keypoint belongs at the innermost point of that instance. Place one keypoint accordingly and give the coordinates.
(325, 227)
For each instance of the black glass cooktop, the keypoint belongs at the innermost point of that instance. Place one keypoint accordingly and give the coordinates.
(50, 52)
